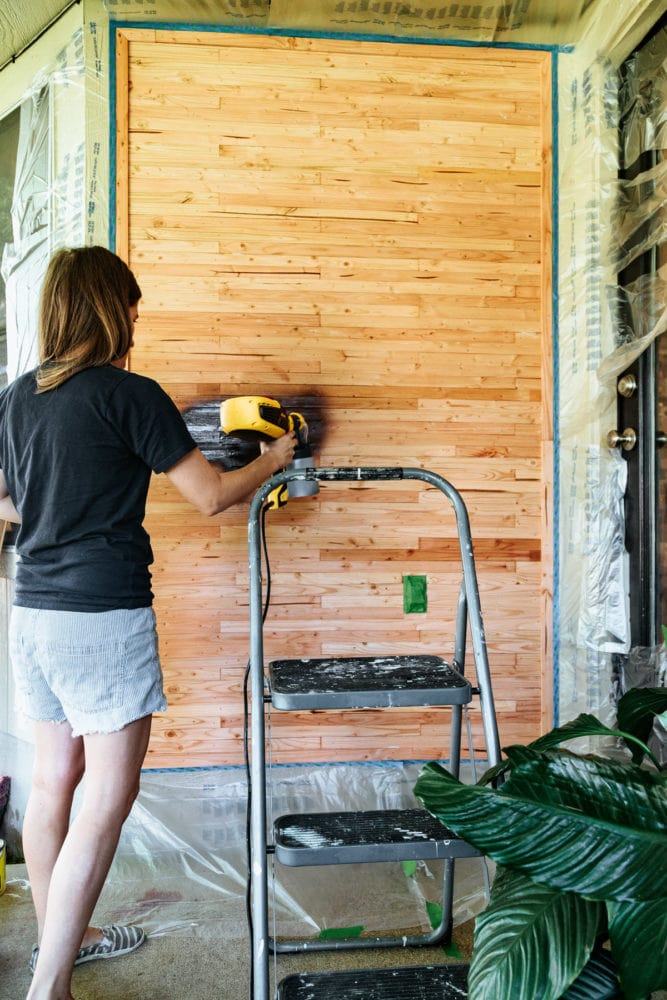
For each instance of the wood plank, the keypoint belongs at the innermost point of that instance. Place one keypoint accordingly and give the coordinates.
(370, 241)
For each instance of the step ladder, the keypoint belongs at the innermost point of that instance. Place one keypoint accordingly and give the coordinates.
(371, 836)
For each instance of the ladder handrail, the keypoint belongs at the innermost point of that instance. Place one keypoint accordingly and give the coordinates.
(388, 473)
(469, 593)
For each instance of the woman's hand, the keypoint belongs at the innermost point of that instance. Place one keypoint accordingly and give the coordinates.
(281, 449)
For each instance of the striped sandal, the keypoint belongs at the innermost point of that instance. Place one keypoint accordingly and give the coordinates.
(116, 940)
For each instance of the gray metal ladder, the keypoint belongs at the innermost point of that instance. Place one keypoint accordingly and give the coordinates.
(372, 836)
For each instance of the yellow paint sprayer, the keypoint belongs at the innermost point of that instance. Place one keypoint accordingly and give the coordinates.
(258, 418)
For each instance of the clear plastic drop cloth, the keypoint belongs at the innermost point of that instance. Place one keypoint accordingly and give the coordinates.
(180, 867)
(185, 845)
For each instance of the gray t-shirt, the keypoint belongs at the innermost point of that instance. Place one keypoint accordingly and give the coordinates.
(78, 461)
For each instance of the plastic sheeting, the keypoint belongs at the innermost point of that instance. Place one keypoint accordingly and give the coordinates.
(211, 852)
(641, 228)
(523, 21)
(514, 21)
(603, 224)
(180, 867)
(47, 200)
(25, 258)
(641, 222)
(590, 477)
(187, 829)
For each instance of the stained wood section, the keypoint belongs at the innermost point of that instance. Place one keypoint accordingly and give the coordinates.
(362, 229)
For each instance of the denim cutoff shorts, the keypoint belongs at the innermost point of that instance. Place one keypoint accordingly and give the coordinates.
(98, 671)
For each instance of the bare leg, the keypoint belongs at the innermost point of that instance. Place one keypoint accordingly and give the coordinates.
(113, 765)
(58, 768)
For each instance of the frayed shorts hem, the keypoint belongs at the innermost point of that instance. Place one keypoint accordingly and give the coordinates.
(86, 726)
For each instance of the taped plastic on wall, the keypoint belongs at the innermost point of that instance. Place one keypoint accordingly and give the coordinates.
(522, 21)
(641, 222)
(592, 568)
(603, 325)
(503, 21)
(46, 197)
(24, 258)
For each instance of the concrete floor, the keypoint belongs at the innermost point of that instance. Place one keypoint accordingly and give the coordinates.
(182, 959)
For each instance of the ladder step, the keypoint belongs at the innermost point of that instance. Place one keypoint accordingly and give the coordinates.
(366, 682)
(368, 836)
(427, 982)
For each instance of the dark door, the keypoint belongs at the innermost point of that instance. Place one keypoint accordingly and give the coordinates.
(642, 389)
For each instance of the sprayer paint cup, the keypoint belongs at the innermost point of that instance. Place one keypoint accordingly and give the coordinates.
(303, 459)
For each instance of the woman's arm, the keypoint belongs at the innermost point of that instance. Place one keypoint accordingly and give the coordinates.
(212, 491)
(8, 511)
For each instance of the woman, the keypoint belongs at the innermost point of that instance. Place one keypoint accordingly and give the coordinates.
(79, 438)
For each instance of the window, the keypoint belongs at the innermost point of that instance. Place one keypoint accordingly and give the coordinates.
(25, 225)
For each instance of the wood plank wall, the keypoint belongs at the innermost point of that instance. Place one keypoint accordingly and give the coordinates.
(362, 230)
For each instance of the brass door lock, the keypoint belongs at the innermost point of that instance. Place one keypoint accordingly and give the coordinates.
(627, 440)
(627, 386)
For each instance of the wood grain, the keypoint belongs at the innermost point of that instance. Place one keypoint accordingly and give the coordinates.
(363, 230)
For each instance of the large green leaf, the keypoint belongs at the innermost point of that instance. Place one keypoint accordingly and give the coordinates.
(638, 934)
(587, 725)
(598, 980)
(608, 844)
(584, 726)
(532, 941)
(636, 711)
(617, 791)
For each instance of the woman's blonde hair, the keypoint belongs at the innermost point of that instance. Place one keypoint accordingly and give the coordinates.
(84, 314)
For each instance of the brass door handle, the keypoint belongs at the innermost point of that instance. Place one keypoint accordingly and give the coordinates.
(627, 440)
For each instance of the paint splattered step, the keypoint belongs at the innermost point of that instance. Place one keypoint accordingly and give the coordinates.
(366, 682)
(369, 836)
(446, 982)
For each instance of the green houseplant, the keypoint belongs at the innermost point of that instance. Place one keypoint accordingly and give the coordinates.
(578, 908)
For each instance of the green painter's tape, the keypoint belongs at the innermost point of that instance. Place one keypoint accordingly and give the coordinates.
(434, 911)
(340, 933)
(414, 594)
(452, 950)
